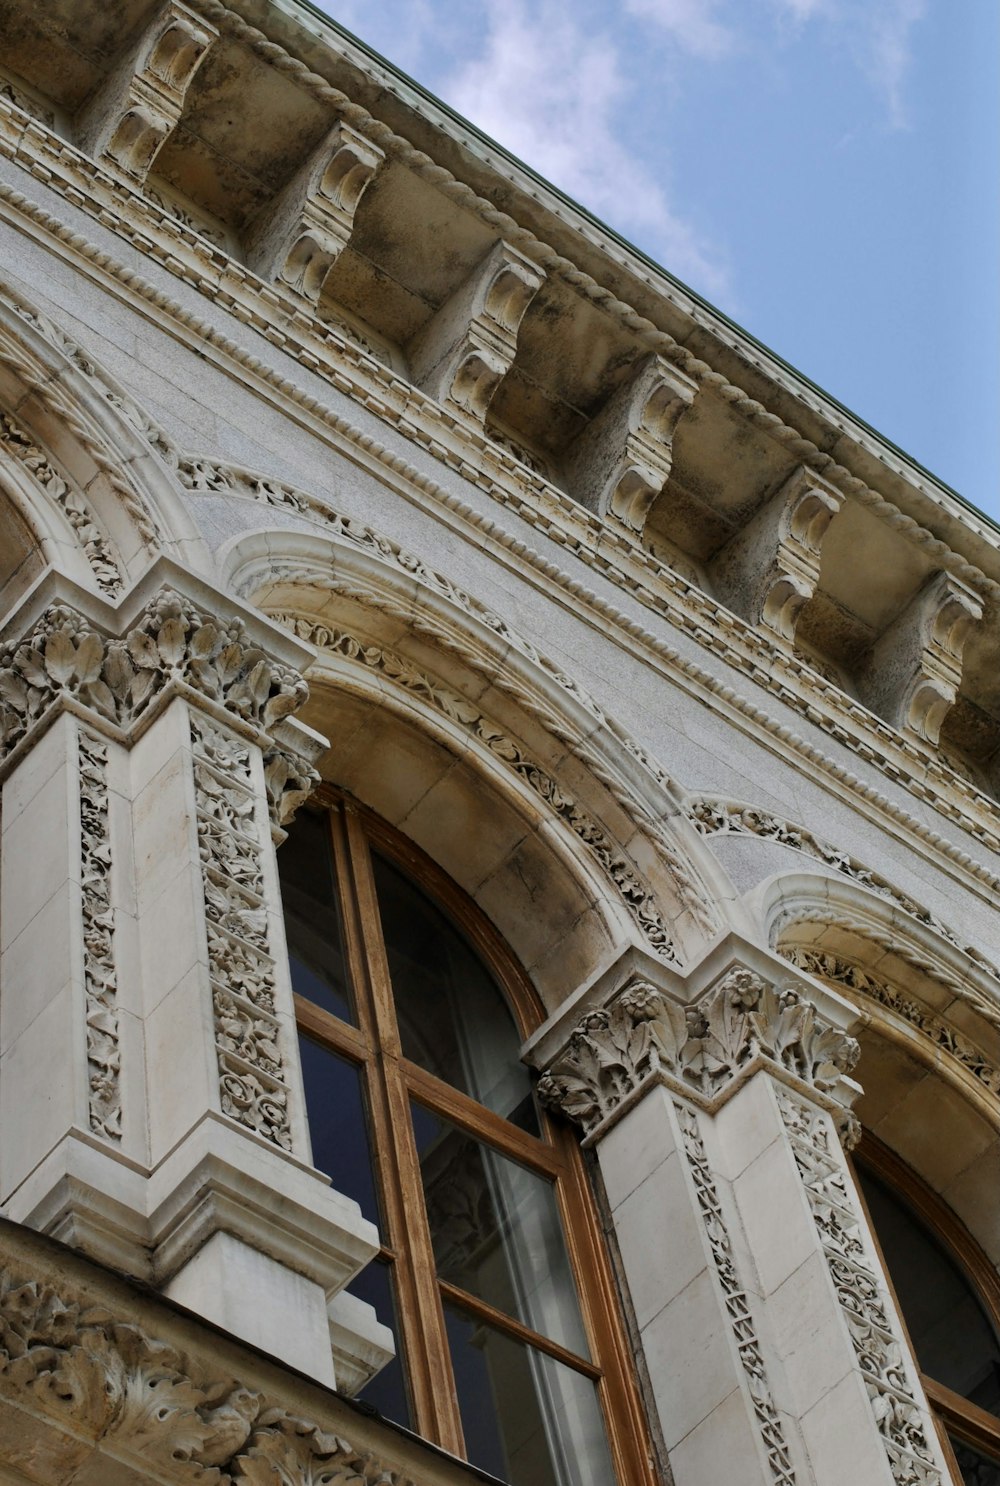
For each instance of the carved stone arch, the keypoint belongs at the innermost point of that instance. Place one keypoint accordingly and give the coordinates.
(929, 1033)
(575, 845)
(89, 472)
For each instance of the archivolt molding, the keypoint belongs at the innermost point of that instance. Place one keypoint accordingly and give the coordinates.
(713, 817)
(867, 990)
(613, 555)
(102, 558)
(97, 417)
(363, 566)
(634, 893)
(786, 902)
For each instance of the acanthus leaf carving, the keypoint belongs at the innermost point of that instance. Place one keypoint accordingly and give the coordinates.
(703, 1047)
(103, 1378)
(172, 643)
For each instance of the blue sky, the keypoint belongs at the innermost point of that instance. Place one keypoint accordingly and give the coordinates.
(827, 172)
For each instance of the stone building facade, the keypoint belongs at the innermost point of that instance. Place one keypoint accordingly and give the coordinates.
(427, 626)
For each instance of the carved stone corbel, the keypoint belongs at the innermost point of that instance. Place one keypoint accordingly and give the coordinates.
(621, 461)
(913, 671)
(768, 571)
(299, 236)
(462, 354)
(129, 118)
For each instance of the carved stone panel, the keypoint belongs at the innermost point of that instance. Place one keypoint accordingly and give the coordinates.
(253, 1086)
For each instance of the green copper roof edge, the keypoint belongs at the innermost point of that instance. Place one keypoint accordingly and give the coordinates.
(645, 259)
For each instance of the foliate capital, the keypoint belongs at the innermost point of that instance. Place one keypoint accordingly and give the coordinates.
(120, 679)
(742, 1023)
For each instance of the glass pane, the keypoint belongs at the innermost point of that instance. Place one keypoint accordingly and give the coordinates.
(312, 916)
(338, 1125)
(496, 1231)
(952, 1337)
(977, 1469)
(527, 1418)
(387, 1390)
(453, 1019)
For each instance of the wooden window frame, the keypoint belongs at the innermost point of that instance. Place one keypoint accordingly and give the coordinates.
(373, 1046)
(953, 1414)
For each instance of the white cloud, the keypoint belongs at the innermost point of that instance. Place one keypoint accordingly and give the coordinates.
(691, 24)
(551, 90)
(886, 51)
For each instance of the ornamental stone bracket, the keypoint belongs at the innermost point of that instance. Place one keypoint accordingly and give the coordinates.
(299, 236)
(151, 1108)
(129, 119)
(768, 572)
(914, 670)
(463, 353)
(706, 1049)
(621, 461)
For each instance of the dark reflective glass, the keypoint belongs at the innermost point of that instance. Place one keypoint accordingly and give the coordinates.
(976, 1468)
(338, 1125)
(453, 1018)
(526, 1418)
(952, 1337)
(312, 917)
(496, 1231)
(387, 1390)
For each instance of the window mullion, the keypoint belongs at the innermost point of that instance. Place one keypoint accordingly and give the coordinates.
(424, 1338)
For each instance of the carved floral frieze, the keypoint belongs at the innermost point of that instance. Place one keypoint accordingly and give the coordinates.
(252, 1077)
(727, 817)
(865, 1303)
(702, 1048)
(99, 969)
(96, 1377)
(171, 644)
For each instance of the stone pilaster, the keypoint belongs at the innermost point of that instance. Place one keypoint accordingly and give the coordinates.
(149, 757)
(773, 1346)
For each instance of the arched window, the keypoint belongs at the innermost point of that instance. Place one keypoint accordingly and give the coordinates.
(491, 1273)
(949, 1297)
